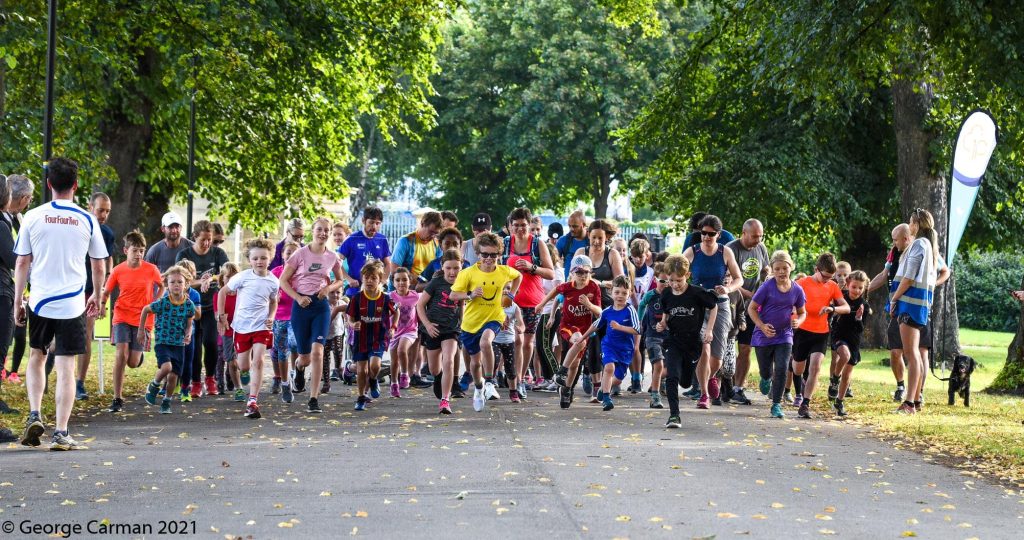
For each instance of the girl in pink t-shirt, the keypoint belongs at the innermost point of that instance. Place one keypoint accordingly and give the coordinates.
(402, 362)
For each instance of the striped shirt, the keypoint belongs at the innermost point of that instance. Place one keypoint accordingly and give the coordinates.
(374, 314)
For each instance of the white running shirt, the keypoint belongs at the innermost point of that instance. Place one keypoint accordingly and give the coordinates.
(252, 300)
(59, 235)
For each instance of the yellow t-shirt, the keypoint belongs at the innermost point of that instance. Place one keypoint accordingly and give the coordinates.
(423, 254)
(484, 309)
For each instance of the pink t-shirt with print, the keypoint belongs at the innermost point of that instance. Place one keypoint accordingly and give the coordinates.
(407, 319)
(312, 271)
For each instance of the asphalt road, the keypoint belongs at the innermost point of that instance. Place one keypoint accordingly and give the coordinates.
(400, 470)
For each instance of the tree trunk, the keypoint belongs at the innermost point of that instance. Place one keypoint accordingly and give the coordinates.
(867, 253)
(602, 189)
(361, 195)
(1011, 379)
(920, 188)
(127, 143)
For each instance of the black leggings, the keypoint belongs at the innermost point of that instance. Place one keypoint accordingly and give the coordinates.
(204, 353)
(772, 362)
(680, 364)
(544, 335)
(505, 354)
(7, 329)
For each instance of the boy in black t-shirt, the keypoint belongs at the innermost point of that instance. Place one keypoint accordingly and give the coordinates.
(682, 308)
(847, 331)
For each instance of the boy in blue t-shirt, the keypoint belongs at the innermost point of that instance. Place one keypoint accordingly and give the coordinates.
(622, 326)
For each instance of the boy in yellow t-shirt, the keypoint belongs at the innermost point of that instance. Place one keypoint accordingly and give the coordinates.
(482, 285)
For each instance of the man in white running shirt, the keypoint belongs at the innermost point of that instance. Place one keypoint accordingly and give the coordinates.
(54, 240)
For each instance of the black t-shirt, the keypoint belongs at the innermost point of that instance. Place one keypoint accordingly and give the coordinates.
(208, 263)
(441, 310)
(893, 265)
(108, 240)
(846, 327)
(684, 313)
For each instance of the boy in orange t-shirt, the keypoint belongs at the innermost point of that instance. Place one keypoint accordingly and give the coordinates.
(824, 298)
(138, 283)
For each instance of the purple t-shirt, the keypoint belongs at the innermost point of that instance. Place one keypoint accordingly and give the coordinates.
(776, 309)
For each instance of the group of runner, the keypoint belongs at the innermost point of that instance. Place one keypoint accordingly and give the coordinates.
(513, 310)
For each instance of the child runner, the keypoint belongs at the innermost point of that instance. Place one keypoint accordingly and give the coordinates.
(809, 341)
(173, 331)
(370, 313)
(307, 279)
(285, 348)
(227, 368)
(450, 238)
(439, 317)
(256, 290)
(847, 332)
(581, 304)
(771, 310)
(482, 284)
(402, 341)
(650, 314)
(138, 283)
(335, 346)
(185, 376)
(505, 353)
(621, 326)
(683, 310)
(643, 279)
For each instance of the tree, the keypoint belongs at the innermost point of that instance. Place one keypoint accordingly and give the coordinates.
(529, 98)
(280, 87)
(903, 71)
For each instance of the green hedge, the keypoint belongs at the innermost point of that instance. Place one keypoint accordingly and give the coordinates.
(982, 280)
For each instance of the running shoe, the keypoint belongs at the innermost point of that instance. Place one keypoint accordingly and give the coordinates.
(325, 386)
(457, 392)
(616, 390)
(286, 393)
(313, 406)
(421, 382)
(608, 404)
(716, 402)
(197, 389)
(491, 392)
(693, 392)
(906, 408)
(805, 409)
(561, 375)
(444, 407)
(634, 386)
(849, 392)
(702, 403)
(564, 401)
(522, 391)
(656, 401)
(374, 388)
(777, 411)
(63, 442)
(34, 429)
(674, 422)
(116, 405)
(80, 393)
(239, 394)
(714, 388)
(787, 396)
(403, 381)
(897, 396)
(838, 406)
(335, 375)
(918, 405)
(588, 384)
(151, 392)
(502, 381)
(437, 386)
(361, 404)
(299, 381)
(220, 387)
(833, 390)
(252, 410)
(549, 387)
(479, 400)
(186, 398)
(765, 386)
(275, 388)
(165, 406)
(211, 387)
(740, 396)
(396, 391)
(465, 380)
(595, 399)
(513, 395)
(798, 400)
(13, 378)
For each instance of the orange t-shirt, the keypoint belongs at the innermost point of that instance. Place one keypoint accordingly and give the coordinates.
(818, 295)
(136, 291)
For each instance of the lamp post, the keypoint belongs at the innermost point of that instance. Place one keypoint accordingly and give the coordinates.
(51, 57)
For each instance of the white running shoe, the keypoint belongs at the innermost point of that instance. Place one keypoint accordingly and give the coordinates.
(490, 392)
(478, 399)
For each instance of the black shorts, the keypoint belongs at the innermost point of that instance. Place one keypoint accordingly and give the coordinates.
(892, 333)
(530, 318)
(807, 343)
(175, 354)
(854, 350)
(434, 344)
(745, 335)
(68, 335)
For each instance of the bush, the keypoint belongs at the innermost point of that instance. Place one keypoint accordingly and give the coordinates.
(982, 280)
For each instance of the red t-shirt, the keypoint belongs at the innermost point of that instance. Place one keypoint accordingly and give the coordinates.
(818, 295)
(531, 289)
(574, 314)
(136, 288)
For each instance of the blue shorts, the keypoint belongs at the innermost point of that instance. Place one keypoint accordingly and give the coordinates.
(310, 324)
(621, 358)
(471, 340)
(366, 356)
(175, 354)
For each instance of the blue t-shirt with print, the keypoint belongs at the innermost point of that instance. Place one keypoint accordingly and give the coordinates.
(171, 320)
(357, 249)
(617, 339)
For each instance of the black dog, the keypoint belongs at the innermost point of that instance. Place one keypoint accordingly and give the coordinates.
(960, 379)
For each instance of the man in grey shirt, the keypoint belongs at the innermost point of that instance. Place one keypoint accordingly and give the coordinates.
(164, 253)
(752, 258)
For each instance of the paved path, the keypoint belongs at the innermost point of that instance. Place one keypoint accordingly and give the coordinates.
(399, 469)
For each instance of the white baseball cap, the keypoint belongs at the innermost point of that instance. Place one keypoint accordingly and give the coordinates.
(170, 218)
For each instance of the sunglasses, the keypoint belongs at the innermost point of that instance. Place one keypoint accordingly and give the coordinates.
(218, 242)
(662, 281)
(298, 237)
(709, 233)
(582, 272)
(488, 255)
